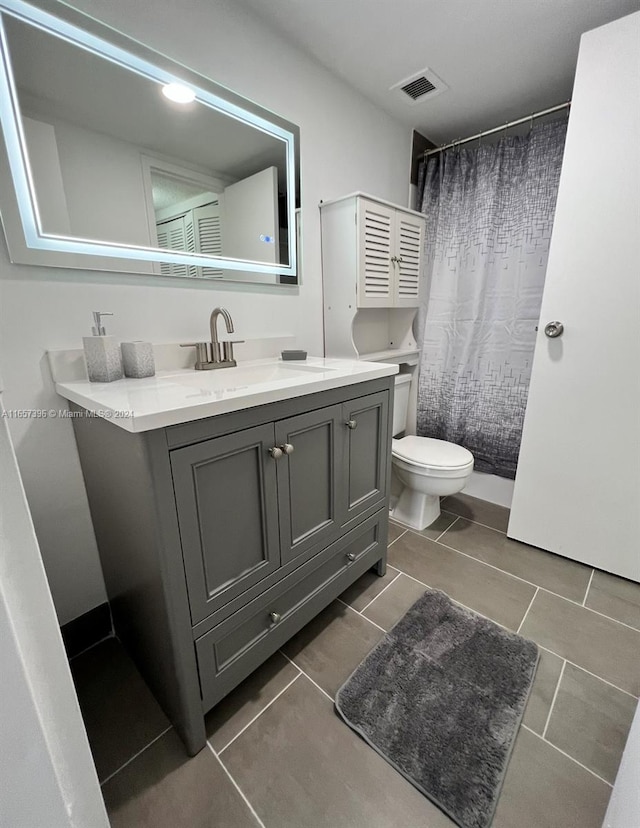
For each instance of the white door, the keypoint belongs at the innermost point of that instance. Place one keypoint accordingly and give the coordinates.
(577, 489)
(250, 218)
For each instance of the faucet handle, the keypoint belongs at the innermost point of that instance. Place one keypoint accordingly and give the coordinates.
(227, 349)
(203, 352)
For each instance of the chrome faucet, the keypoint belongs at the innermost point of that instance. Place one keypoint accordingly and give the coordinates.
(215, 354)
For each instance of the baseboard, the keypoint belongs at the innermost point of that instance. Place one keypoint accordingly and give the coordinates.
(87, 629)
(490, 487)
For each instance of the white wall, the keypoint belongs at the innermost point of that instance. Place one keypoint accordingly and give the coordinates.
(48, 776)
(347, 144)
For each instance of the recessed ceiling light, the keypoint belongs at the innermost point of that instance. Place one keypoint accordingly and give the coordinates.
(178, 93)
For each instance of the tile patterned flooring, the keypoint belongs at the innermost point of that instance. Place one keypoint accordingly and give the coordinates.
(279, 757)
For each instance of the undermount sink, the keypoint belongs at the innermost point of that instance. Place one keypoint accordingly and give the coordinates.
(245, 375)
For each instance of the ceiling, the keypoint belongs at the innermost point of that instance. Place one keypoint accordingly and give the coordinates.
(501, 59)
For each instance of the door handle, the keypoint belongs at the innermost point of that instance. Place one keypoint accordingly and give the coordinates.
(286, 448)
(275, 452)
(352, 424)
(553, 329)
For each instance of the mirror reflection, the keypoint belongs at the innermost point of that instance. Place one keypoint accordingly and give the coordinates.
(120, 158)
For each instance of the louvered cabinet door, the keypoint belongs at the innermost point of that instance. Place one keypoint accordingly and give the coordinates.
(171, 236)
(376, 225)
(409, 240)
(208, 235)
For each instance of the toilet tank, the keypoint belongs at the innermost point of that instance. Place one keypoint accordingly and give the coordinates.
(401, 402)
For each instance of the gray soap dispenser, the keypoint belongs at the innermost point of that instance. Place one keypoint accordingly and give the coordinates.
(102, 352)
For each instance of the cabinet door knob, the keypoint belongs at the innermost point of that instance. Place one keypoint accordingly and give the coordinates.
(275, 452)
(287, 448)
(351, 556)
(274, 617)
(352, 424)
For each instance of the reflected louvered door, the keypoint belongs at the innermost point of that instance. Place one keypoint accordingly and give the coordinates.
(409, 239)
(376, 225)
(209, 236)
(172, 236)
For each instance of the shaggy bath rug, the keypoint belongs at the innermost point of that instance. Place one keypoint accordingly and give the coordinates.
(441, 697)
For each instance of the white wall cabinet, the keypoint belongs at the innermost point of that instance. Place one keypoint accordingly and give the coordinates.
(372, 257)
(389, 254)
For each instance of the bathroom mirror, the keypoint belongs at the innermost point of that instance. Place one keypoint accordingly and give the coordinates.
(116, 158)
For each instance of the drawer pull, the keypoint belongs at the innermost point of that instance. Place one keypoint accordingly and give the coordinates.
(274, 617)
(352, 424)
(287, 448)
(351, 556)
(275, 452)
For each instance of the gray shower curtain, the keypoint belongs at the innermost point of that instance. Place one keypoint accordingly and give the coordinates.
(489, 216)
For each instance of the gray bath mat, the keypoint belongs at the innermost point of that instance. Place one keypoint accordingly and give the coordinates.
(441, 698)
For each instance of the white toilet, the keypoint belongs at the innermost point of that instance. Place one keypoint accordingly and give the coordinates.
(429, 469)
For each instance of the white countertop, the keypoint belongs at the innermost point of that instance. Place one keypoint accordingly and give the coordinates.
(173, 397)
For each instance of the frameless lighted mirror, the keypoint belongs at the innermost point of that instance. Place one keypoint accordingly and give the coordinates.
(120, 159)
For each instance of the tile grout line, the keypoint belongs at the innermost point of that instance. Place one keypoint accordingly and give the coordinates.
(527, 610)
(531, 583)
(135, 755)
(91, 646)
(584, 670)
(542, 647)
(382, 591)
(257, 716)
(571, 758)
(357, 612)
(455, 601)
(401, 535)
(307, 676)
(586, 595)
(236, 786)
(453, 523)
(477, 522)
(553, 700)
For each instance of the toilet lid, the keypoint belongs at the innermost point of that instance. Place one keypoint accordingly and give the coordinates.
(426, 451)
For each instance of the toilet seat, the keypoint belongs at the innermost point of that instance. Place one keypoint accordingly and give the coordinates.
(428, 456)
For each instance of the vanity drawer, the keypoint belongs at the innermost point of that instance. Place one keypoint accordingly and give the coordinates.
(230, 651)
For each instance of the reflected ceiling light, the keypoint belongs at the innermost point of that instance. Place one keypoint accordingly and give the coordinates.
(178, 93)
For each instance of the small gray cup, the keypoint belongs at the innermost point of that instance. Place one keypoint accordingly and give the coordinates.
(137, 358)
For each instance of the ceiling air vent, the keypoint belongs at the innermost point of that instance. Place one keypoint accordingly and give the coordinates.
(419, 87)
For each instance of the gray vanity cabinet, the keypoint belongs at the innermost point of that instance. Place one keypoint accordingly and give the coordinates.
(310, 480)
(216, 548)
(366, 454)
(227, 507)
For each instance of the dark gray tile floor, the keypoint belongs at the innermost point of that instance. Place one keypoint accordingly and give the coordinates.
(277, 754)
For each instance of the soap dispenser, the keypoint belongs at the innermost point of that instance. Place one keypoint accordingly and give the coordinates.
(102, 352)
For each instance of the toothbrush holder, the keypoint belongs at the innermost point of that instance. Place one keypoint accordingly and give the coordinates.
(137, 358)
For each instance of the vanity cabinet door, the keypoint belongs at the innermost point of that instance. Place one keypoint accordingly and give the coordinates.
(309, 480)
(226, 499)
(367, 449)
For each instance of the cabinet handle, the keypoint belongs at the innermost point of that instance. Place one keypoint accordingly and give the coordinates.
(275, 452)
(287, 448)
(352, 424)
(351, 556)
(274, 617)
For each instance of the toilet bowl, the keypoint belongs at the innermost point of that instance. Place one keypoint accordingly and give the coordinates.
(428, 468)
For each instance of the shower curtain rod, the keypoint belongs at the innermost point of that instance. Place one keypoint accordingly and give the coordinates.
(506, 126)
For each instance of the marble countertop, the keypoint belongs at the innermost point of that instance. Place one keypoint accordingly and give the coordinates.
(180, 396)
